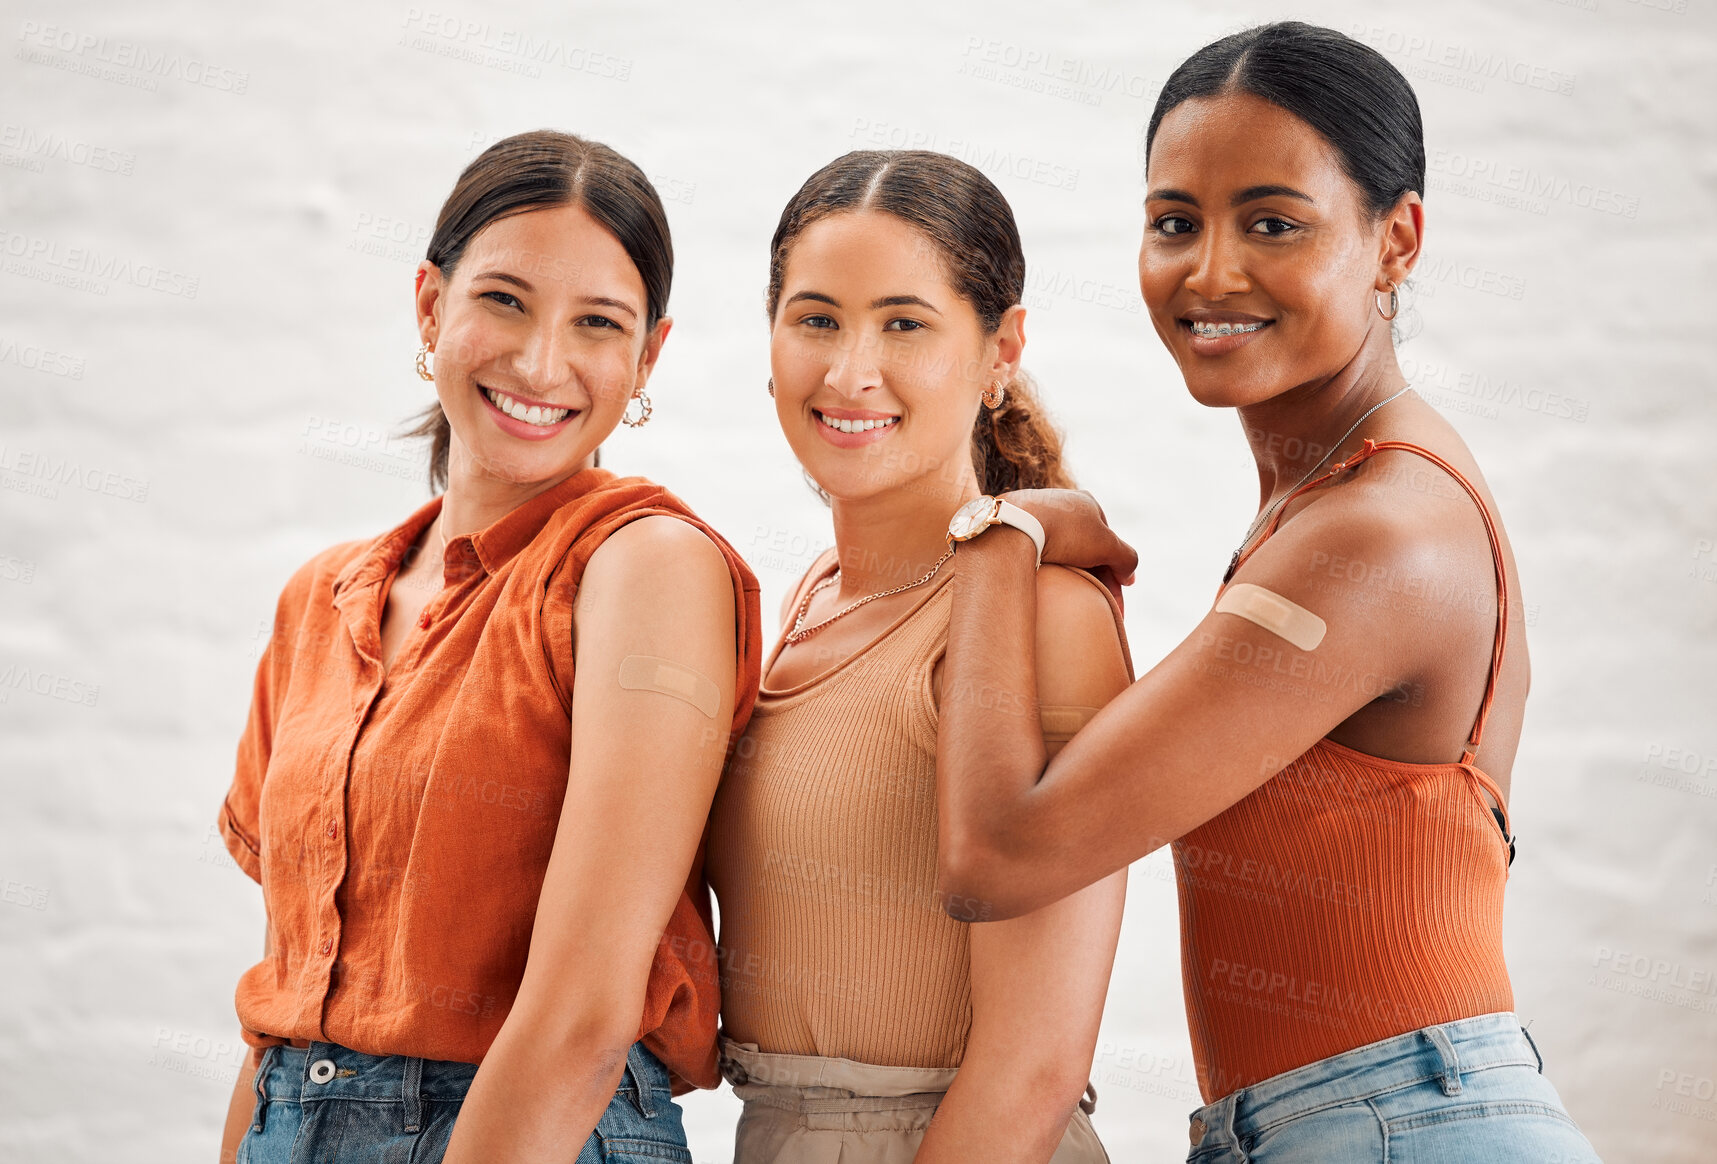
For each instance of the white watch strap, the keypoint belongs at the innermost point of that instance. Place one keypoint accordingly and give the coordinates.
(1013, 515)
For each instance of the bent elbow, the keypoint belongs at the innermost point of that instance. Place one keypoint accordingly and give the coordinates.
(972, 882)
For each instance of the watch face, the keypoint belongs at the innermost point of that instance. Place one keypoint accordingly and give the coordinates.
(972, 518)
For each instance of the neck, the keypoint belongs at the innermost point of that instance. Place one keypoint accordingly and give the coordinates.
(476, 499)
(1291, 432)
(894, 537)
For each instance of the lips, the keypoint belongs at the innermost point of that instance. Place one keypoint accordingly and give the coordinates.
(849, 428)
(1211, 333)
(530, 419)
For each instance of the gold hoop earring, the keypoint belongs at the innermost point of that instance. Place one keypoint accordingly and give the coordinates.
(1394, 303)
(771, 387)
(994, 395)
(643, 399)
(423, 363)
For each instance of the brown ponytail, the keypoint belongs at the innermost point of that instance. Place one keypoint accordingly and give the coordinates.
(1015, 446)
(972, 228)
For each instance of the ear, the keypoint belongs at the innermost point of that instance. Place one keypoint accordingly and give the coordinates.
(429, 288)
(1402, 242)
(653, 348)
(1010, 345)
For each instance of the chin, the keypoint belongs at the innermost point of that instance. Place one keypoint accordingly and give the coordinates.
(1215, 390)
(528, 466)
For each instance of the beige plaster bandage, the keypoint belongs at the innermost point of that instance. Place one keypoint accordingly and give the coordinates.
(1274, 613)
(1061, 723)
(648, 673)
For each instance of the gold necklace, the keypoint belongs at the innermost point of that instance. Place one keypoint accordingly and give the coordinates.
(800, 631)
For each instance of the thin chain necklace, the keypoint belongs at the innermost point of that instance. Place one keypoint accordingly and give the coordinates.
(1258, 522)
(800, 631)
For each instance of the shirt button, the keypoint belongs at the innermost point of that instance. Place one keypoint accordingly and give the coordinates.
(423, 622)
(333, 828)
(327, 944)
(321, 1071)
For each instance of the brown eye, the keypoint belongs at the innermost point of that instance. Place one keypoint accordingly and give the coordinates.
(1172, 225)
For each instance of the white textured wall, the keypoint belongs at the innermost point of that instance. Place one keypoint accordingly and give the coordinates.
(207, 229)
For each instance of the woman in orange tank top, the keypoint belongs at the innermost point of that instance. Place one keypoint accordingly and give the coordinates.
(1328, 751)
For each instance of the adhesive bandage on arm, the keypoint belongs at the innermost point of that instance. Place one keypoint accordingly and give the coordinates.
(1274, 613)
(1061, 722)
(649, 673)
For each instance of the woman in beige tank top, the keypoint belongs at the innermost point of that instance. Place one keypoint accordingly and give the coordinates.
(862, 1023)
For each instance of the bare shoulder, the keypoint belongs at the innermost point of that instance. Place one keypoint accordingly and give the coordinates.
(657, 556)
(1081, 652)
(1394, 560)
(1073, 603)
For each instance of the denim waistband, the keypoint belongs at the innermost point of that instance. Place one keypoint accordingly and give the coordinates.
(1441, 1053)
(330, 1071)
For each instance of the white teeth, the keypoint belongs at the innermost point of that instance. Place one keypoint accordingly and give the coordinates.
(1214, 330)
(534, 414)
(856, 425)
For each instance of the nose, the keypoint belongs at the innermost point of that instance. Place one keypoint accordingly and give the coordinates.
(854, 368)
(544, 363)
(1218, 268)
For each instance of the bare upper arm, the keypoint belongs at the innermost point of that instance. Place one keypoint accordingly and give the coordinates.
(1082, 661)
(1235, 702)
(643, 769)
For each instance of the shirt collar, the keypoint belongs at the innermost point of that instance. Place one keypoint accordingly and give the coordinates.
(488, 549)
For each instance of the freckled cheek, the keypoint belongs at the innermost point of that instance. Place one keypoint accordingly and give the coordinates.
(467, 346)
(607, 375)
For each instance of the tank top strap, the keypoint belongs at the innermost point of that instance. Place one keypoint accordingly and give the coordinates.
(1370, 449)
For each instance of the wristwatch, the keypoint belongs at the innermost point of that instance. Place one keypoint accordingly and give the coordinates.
(979, 514)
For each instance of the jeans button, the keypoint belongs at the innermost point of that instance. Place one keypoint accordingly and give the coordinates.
(1195, 1130)
(321, 1071)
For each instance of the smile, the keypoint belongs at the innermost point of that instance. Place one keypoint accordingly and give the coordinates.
(532, 414)
(1215, 330)
(855, 425)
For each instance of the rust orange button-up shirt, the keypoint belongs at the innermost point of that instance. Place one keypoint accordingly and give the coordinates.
(401, 824)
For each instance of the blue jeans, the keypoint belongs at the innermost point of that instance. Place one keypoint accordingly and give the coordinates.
(1467, 1091)
(331, 1105)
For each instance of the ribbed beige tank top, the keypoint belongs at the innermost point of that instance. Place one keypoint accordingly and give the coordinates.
(822, 854)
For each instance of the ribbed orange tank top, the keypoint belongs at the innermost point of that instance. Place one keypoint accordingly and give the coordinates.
(1349, 898)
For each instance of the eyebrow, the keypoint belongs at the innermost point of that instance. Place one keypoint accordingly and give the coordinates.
(617, 304)
(588, 300)
(885, 301)
(1250, 194)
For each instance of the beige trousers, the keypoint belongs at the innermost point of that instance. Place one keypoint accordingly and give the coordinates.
(805, 1109)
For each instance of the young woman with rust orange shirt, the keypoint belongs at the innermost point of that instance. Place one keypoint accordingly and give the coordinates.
(483, 746)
